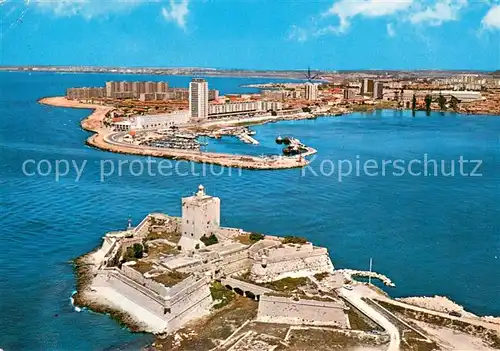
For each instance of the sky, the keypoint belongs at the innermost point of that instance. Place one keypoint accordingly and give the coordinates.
(261, 34)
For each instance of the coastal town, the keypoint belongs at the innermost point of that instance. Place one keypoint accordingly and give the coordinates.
(197, 285)
(292, 175)
(152, 118)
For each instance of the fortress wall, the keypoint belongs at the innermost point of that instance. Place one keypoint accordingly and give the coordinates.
(276, 309)
(299, 267)
(189, 281)
(227, 232)
(131, 291)
(188, 293)
(235, 256)
(191, 302)
(107, 245)
(105, 252)
(229, 262)
(262, 244)
(137, 276)
(140, 229)
(198, 309)
(288, 250)
(236, 266)
(296, 255)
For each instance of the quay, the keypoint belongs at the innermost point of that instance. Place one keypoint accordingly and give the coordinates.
(103, 139)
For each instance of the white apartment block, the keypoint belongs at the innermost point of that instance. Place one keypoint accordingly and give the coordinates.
(160, 121)
(311, 91)
(198, 98)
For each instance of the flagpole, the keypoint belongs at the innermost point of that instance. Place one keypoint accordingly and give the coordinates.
(370, 276)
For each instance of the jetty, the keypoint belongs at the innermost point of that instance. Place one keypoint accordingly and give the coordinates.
(351, 273)
(247, 139)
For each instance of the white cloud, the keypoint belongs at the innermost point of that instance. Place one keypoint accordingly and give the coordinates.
(492, 18)
(441, 11)
(84, 8)
(177, 12)
(345, 10)
(415, 12)
(297, 33)
(390, 30)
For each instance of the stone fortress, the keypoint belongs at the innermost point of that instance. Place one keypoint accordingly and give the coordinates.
(170, 286)
(168, 273)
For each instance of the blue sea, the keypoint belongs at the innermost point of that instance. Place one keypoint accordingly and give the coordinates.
(431, 234)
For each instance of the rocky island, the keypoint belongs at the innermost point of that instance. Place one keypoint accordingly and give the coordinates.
(198, 285)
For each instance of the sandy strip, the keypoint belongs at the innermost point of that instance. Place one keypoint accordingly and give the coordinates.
(99, 140)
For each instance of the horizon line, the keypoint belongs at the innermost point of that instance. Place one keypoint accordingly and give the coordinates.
(250, 69)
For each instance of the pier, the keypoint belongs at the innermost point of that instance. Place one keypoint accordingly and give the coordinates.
(247, 139)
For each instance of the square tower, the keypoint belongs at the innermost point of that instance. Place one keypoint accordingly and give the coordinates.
(200, 217)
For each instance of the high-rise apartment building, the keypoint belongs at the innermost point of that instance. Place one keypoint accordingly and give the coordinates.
(367, 86)
(198, 98)
(150, 87)
(161, 87)
(112, 88)
(378, 90)
(311, 91)
(349, 93)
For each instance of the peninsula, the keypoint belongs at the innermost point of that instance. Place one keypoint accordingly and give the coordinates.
(173, 134)
(153, 119)
(198, 285)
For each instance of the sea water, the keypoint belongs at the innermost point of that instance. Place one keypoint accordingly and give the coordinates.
(429, 234)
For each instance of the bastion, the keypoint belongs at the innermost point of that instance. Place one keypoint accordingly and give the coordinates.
(159, 272)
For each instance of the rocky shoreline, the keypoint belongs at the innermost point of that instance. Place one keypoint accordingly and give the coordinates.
(84, 269)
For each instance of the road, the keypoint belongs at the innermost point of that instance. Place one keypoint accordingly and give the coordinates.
(473, 321)
(354, 297)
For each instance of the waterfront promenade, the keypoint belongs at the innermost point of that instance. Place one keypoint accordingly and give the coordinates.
(102, 139)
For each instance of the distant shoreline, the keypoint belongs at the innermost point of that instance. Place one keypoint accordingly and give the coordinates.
(171, 74)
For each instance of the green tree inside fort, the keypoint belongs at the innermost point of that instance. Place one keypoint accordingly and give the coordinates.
(254, 237)
(294, 240)
(442, 102)
(133, 252)
(211, 240)
(414, 103)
